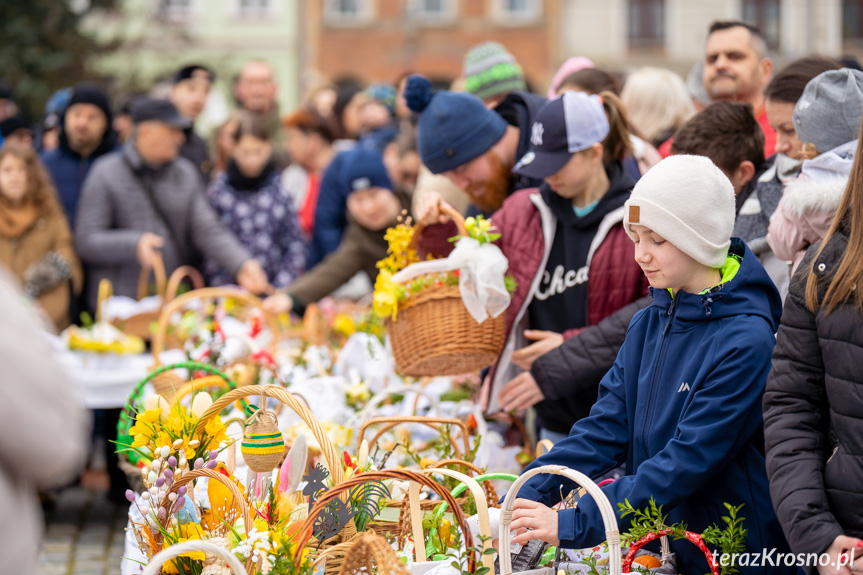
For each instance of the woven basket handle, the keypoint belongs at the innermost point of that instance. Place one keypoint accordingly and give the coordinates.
(232, 487)
(446, 210)
(543, 446)
(199, 384)
(158, 269)
(693, 538)
(176, 279)
(377, 399)
(609, 519)
(481, 510)
(154, 567)
(158, 343)
(334, 462)
(415, 479)
(433, 422)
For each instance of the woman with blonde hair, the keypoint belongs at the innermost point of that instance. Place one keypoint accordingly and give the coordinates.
(813, 404)
(657, 103)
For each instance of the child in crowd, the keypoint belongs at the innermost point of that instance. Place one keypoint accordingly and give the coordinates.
(566, 246)
(35, 241)
(827, 121)
(374, 202)
(250, 199)
(682, 405)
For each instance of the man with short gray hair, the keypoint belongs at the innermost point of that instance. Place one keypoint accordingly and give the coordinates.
(737, 68)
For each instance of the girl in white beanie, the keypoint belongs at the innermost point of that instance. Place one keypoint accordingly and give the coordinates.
(681, 408)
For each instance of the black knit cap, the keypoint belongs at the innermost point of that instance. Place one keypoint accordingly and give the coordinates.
(11, 125)
(90, 93)
(188, 72)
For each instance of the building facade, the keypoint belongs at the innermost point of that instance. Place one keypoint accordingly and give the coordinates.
(154, 38)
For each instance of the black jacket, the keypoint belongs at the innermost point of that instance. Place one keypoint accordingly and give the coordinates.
(570, 374)
(195, 150)
(813, 413)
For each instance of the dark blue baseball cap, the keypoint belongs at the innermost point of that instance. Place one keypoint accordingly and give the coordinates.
(563, 126)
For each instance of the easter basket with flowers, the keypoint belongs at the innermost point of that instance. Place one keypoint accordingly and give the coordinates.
(444, 316)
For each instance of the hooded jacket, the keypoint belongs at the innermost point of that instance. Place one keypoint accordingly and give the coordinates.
(809, 202)
(813, 407)
(69, 170)
(681, 408)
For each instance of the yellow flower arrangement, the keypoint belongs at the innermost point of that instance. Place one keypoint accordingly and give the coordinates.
(174, 428)
(387, 294)
(399, 253)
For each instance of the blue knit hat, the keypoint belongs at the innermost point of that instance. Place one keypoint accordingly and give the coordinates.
(363, 169)
(383, 94)
(453, 128)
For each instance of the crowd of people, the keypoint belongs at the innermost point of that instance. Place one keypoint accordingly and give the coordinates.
(655, 228)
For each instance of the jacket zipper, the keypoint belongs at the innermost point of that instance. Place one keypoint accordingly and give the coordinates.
(832, 455)
(671, 311)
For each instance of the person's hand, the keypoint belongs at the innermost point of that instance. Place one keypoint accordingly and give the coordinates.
(545, 342)
(840, 562)
(148, 245)
(252, 277)
(520, 392)
(428, 210)
(278, 303)
(539, 519)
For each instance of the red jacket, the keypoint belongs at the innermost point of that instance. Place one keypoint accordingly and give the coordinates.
(527, 226)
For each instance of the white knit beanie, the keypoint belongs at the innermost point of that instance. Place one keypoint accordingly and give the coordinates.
(688, 201)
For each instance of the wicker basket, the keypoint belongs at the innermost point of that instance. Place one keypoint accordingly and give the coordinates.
(336, 558)
(160, 336)
(371, 553)
(140, 324)
(154, 567)
(434, 334)
(188, 478)
(433, 422)
(609, 518)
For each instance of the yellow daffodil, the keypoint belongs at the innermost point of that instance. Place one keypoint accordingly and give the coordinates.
(344, 325)
(149, 416)
(140, 440)
(386, 296)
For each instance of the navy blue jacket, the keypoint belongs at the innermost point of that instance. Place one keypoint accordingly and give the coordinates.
(681, 408)
(331, 212)
(68, 170)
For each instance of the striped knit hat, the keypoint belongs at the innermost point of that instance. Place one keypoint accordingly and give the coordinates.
(491, 71)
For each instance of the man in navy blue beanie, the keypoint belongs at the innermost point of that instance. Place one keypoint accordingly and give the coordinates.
(473, 146)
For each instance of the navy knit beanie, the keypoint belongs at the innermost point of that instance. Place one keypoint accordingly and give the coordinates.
(453, 128)
(363, 169)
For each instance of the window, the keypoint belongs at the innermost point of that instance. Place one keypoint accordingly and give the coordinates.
(646, 23)
(518, 10)
(346, 11)
(254, 8)
(765, 15)
(175, 10)
(431, 10)
(852, 20)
